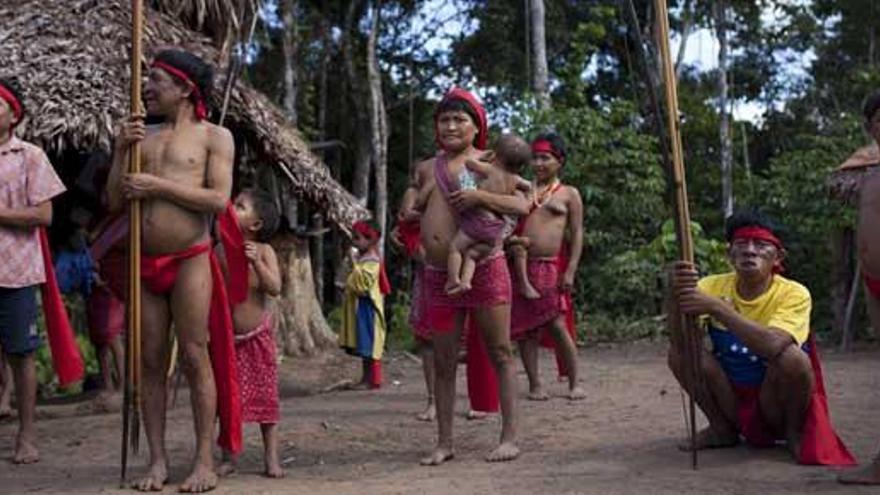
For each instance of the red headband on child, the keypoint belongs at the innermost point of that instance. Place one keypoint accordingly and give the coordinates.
(10, 98)
(195, 96)
(545, 146)
(366, 230)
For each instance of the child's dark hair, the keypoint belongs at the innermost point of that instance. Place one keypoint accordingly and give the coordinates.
(754, 218)
(513, 152)
(871, 106)
(456, 105)
(12, 86)
(201, 72)
(264, 205)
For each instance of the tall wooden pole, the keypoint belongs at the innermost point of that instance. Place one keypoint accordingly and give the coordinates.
(691, 339)
(132, 403)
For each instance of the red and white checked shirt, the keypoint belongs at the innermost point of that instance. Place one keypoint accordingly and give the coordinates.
(26, 179)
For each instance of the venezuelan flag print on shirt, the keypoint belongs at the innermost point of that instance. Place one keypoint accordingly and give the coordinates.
(786, 306)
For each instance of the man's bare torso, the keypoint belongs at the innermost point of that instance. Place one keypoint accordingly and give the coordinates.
(546, 226)
(179, 155)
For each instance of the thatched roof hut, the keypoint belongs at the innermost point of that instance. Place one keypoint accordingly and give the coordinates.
(72, 56)
(846, 180)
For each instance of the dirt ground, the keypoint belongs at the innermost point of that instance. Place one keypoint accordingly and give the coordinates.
(620, 440)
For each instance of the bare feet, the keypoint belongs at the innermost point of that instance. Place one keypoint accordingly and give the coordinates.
(576, 393)
(538, 393)
(452, 287)
(154, 481)
(868, 475)
(528, 291)
(25, 452)
(273, 469)
(429, 414)
(439, 456)
(504, 452)
(360, 386)
(226, 468)
(473, 415)
(202, 479)
(708, 439)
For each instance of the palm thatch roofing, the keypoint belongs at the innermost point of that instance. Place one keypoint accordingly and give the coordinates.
(845, 182)
(71, 57)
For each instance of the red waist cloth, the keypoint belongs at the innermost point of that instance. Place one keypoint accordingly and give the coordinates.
(159, 273)
(258, 371)
(820, 444)
(410, 235)
(872, 284)
(66, 358)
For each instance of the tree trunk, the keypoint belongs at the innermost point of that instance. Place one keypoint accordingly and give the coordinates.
(687, 23)
(302, 328)
(361, 181)
(541, 84)
(290, 47)
(318, 240)
(378, 123)
(841, 276)
(720, 13)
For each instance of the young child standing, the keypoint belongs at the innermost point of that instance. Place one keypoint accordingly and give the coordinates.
(255, 348)
(363, 316)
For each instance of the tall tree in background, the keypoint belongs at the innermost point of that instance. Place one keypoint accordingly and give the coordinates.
(358, 102)
(541, 76)
(721, 28)
(378, 121)
(291, 58)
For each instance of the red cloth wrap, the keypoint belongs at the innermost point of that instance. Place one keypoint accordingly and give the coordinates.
(872, 284)
(233, 249)
(159, 274)
(545, 146)
(106, 316)
(410, 235)
(256, 355)
(820, 445)
(195, 94)
(532, 314)
(17, 110)
(567, 309)
(66, 358)
(482, 382)
(482, 123)
(490, 287)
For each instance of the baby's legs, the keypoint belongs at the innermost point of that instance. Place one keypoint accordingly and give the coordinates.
(457, 248)
(476, 252)
(520, 265)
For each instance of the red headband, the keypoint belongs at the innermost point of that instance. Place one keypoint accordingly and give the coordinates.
(365, 229)
(195, 96)
(545, 146)
(759, 233)
(482, 122)
(10, 98)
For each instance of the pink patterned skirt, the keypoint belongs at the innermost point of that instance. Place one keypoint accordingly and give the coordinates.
(256, 356)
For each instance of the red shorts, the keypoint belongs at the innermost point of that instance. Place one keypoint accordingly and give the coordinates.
(532, 314)
(490, 287)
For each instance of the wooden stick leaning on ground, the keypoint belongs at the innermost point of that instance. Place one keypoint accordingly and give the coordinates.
(691, 339)
(132, 391)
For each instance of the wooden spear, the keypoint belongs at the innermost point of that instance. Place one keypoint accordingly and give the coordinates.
(688, 325)
(132, 394)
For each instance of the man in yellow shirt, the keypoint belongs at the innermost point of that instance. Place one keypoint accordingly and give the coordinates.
(762, 379)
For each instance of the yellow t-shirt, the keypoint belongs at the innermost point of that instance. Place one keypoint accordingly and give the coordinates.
(786, 305)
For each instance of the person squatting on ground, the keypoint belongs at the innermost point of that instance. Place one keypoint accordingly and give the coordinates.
(255, 349)
(27, 184)
(762, 380)
(546, 252)
(363, 312)
(461, 131)
(187, 178)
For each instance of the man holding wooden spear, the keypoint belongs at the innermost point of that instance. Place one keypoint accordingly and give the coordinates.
(187, 178)
(762, 380)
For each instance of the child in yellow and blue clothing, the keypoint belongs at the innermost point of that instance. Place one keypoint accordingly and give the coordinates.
(363, 317)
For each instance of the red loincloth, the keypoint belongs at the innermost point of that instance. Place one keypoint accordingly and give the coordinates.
(159, 274)
(532, 314)
(820, 445)
(106, 316)
(66, 358)
(872, 284)
(256, 355)
(420, 328)
(567, 309)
